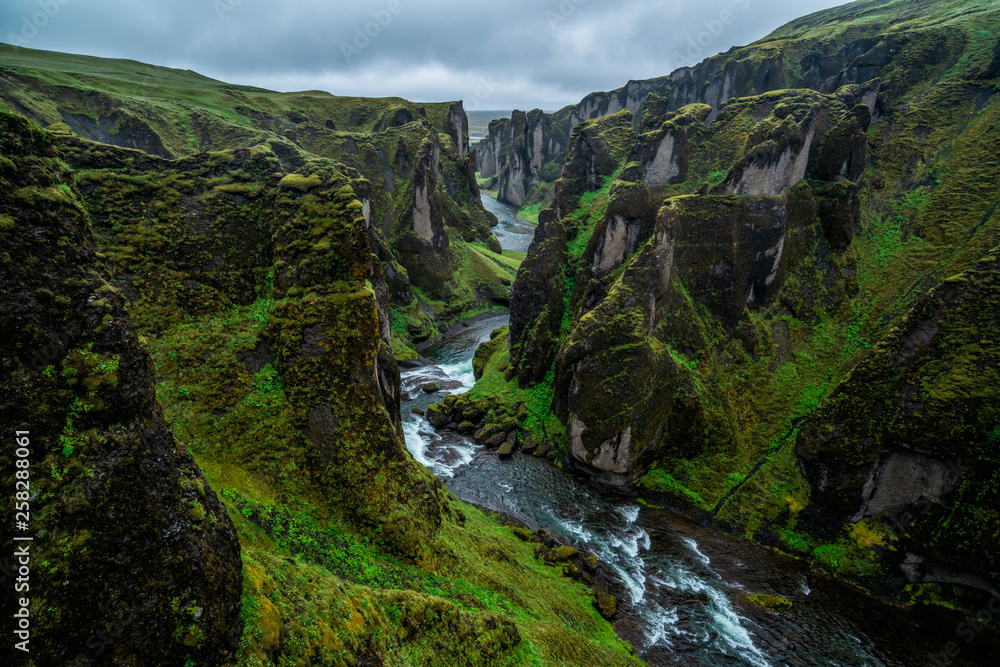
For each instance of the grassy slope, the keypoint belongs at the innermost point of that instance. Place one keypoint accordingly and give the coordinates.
(159, 92)
(338, 593)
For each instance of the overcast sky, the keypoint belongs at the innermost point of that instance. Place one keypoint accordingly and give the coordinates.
(494, 55)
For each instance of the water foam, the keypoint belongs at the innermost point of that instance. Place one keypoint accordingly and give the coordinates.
(693, 546)
(629, 512)
(462, 373)
(416, 443)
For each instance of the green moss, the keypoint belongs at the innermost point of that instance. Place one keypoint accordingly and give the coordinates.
(530, 213)
(775, 602)
(502, 390)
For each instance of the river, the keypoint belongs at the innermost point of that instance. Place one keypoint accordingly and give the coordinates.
(513, 232)
(682, 591)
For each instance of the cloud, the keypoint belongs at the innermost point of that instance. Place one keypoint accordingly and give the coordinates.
(519, 53)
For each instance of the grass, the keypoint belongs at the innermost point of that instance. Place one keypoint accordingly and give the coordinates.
(301, 558)
(530, 213)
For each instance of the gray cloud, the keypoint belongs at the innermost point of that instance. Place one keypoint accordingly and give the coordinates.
(523, 53)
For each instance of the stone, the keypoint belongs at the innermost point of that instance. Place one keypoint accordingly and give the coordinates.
(495, 441)
(487, 432)
(561, 554)
(774, 602)
(606, 604)
(438, 415)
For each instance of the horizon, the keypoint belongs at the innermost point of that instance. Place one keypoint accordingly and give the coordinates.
(545, 57)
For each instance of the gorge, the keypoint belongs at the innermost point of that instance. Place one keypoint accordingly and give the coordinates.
(307, 384)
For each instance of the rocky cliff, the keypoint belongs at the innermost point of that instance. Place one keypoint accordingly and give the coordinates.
(134, 556)
(522, 152)
(748, 297)
(853, 52)
(244, 301)
(131, 105)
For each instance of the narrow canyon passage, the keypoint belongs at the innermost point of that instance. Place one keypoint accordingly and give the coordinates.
(682, 591)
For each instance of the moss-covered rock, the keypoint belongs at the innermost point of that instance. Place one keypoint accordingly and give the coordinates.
(487, 349)
(606, 604)
(561, 554)
(129, 534)
(890, 441)
(774, 602)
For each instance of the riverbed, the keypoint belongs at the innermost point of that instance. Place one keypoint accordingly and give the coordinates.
(513, 232)
(682, 587)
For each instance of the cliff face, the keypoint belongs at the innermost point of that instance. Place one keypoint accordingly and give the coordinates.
(909, 439)
(131, 544)
(268, 283)
(523, 151)
(631, 265)
(750, 298)
(135, 106)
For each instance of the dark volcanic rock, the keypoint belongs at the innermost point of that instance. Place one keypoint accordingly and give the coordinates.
(537, 302)
(134, 538)
(895, 438)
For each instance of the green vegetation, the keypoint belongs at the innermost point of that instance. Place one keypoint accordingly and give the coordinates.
(254, 301)
(775, 602)
(497, 387)
(530, 213)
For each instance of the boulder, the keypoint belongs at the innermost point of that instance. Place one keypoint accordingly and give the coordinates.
(606, 605)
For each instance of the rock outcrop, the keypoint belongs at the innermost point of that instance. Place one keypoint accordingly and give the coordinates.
(132, 547)
(622, 395)
(911, 438)
(740, 72)
(523, 151)
(306, 247)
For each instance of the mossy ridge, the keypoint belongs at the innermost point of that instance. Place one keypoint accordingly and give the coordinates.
(916, 45)
(786, 359)
(183, 112)
(107, 472)
(228, 388)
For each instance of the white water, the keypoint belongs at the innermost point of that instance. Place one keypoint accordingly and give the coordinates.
(684, 607)
(574, 513)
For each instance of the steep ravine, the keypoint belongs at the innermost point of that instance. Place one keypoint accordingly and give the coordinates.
(682, 589)
(769, 294)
